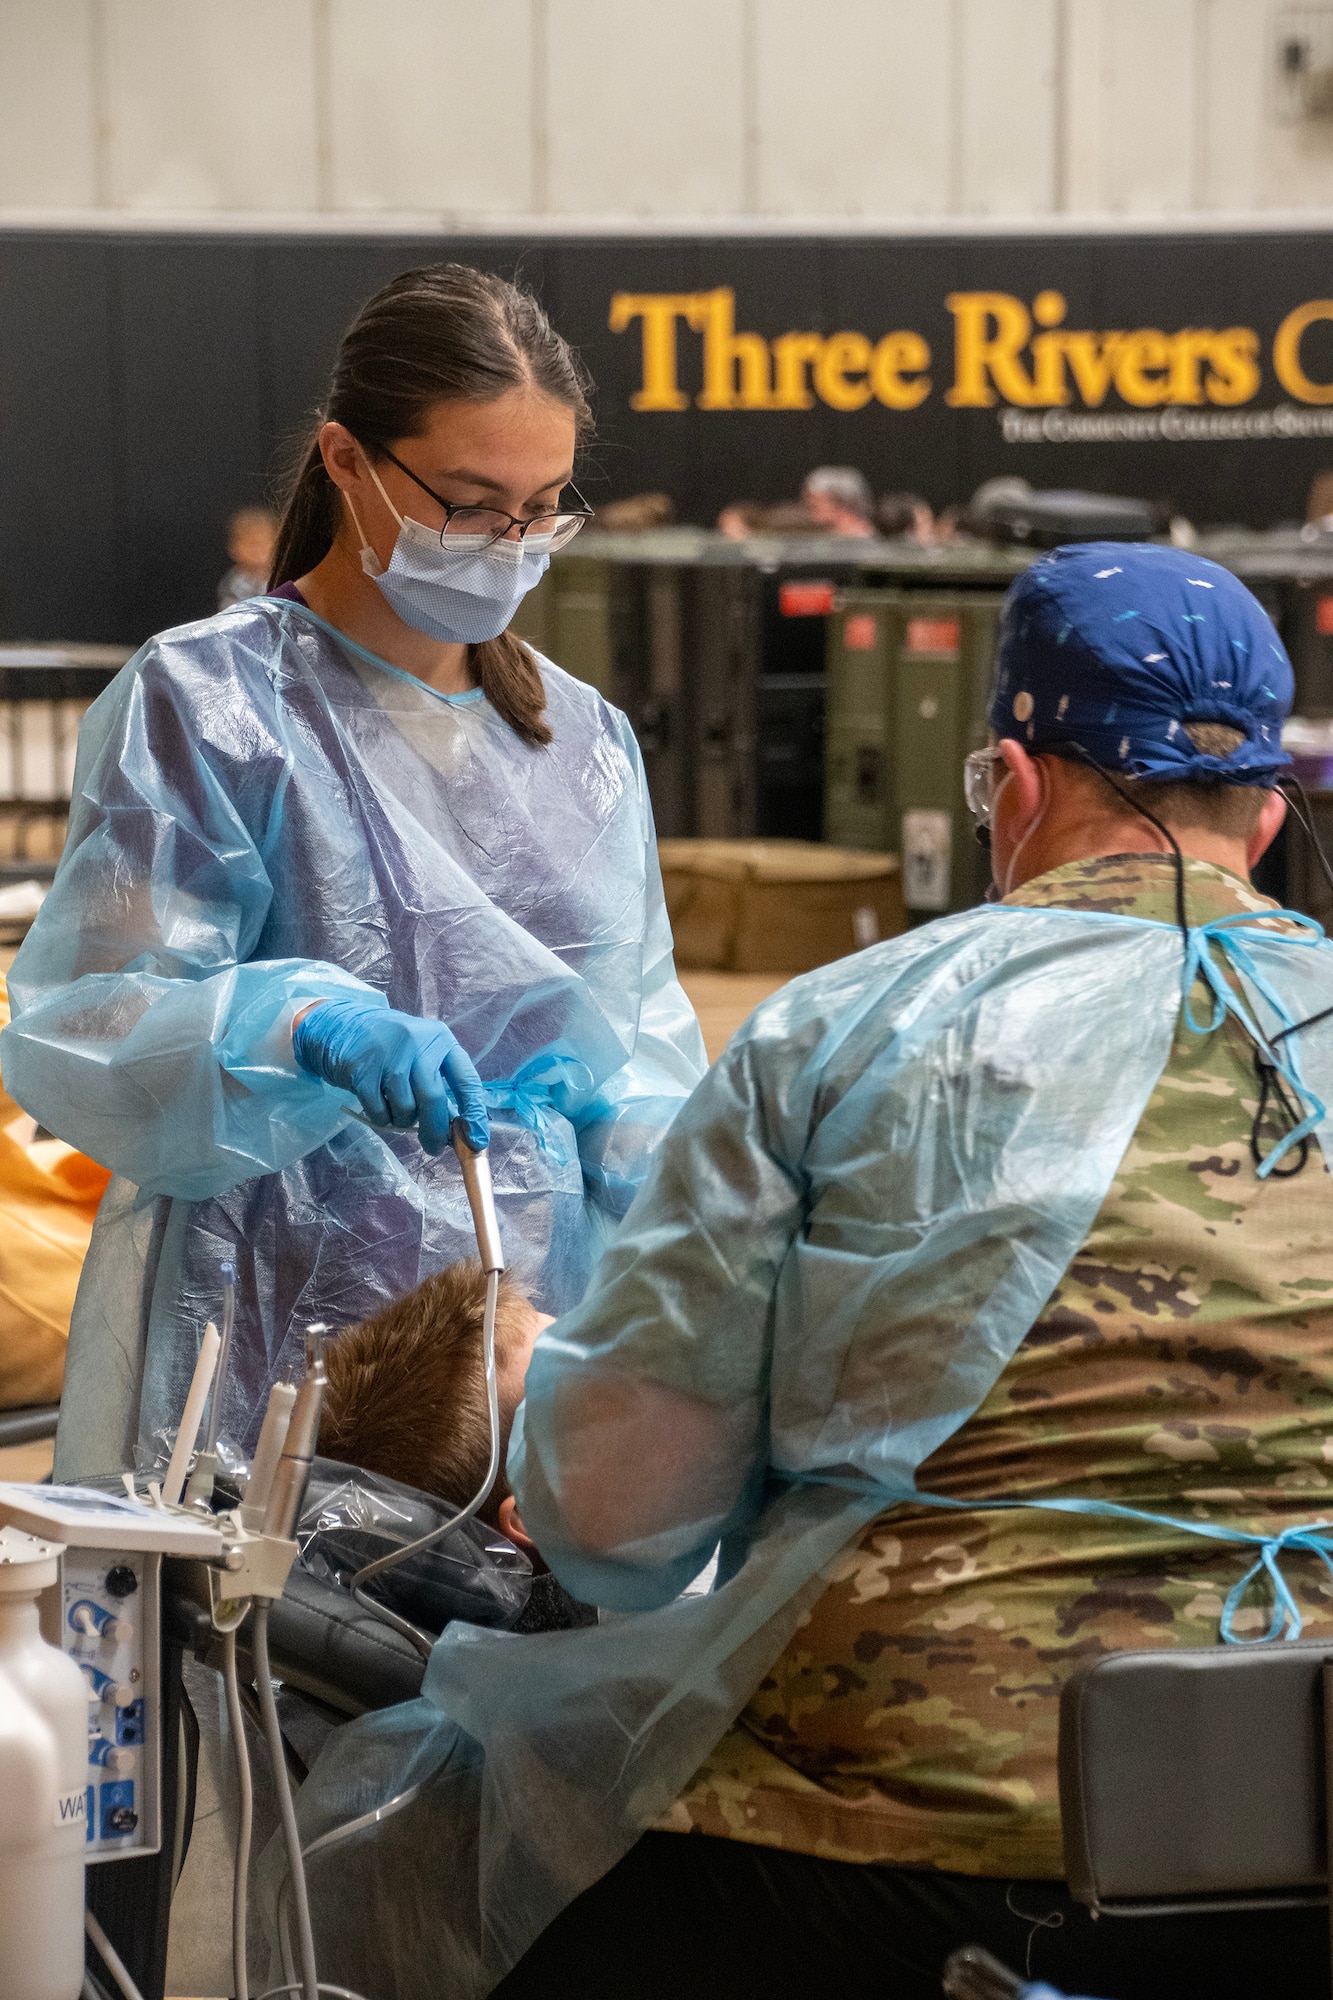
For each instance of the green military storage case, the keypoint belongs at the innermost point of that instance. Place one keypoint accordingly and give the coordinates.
(584, 615)
(910, 675)
(675, 645)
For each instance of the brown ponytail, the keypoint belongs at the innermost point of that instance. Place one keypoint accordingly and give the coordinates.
(440, 334)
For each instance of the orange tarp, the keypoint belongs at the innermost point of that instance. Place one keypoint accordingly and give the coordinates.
(48, 1198)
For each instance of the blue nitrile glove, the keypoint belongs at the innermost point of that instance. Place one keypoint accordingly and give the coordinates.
(1043, 1992)
(405, 1071)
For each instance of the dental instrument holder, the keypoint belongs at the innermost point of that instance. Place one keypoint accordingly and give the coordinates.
(108, 1614)
(264, 1464)
(257, 1558)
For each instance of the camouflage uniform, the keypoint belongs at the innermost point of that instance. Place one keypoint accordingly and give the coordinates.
(1184, 1364)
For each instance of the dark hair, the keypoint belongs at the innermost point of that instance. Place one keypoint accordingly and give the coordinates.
(1208, 803)
(445, 333)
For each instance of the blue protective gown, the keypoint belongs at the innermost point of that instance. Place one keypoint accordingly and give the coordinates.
(842, 1242)
(263, 814)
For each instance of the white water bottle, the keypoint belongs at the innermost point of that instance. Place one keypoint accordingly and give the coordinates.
(43, 1787)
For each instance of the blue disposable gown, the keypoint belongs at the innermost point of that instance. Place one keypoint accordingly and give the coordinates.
(842, 1241)
(264, 814)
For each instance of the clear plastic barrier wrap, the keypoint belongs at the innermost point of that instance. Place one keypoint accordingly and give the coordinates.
(351, 1517)
(843, 1239)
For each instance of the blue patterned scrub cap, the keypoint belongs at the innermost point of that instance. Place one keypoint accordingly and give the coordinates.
(1112, 648)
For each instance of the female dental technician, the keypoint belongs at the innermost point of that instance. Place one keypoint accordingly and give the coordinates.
(347, 861)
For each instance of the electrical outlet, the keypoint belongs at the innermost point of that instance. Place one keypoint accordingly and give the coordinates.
(1303, 65)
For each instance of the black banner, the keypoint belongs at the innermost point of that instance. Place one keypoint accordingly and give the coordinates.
(147, 382)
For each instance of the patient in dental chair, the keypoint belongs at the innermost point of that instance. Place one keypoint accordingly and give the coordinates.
(407, 1390)
(407, 1398)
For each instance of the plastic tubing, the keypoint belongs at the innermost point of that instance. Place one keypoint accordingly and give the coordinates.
(384, 1563)
(110, 1957)
(268, 1708)
(240, 1976)
(224, 1357)
(364, 1820)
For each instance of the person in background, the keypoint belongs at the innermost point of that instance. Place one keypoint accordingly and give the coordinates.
(252, 534)
(835, 500)
(746, 518)
(906, 517)
(1319, 503)
(838, 499)
(636, 514)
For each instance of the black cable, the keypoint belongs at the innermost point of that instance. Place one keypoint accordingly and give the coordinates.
(1270, 1079)
(1304, 813)
(1311, 1020)
(1298, 802)
(1178, 859)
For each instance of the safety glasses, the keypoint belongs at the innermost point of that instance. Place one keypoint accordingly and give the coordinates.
(553, 530)
(979, 783)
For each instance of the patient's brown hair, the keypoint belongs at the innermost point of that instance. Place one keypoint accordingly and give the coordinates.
(407, 1387)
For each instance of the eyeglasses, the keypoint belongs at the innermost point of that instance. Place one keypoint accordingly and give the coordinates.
(561, 525)
(979, 783)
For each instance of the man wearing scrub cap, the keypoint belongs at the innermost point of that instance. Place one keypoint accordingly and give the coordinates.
(1150, 666)
(1028, 1206)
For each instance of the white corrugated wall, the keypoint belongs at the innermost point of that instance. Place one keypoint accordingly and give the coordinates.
(640, 110)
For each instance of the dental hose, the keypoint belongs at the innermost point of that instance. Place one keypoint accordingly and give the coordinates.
(421, 1640)
(309, 1986)
(294, 1895)
(481, 1201)
(245, 1783)
(305, 1939)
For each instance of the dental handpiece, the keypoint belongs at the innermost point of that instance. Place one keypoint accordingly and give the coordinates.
(272, 1438)
(289, 1481)
(214, 1425)
(173, 1486)
(199, 1492)
(476, 1168)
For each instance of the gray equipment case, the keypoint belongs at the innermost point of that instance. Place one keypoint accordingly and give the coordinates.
(1197, 1777)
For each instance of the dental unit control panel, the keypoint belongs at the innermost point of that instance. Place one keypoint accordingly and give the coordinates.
(104, 1614)
(109, 1605)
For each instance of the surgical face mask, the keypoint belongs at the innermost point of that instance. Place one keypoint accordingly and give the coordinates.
(462, 590)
